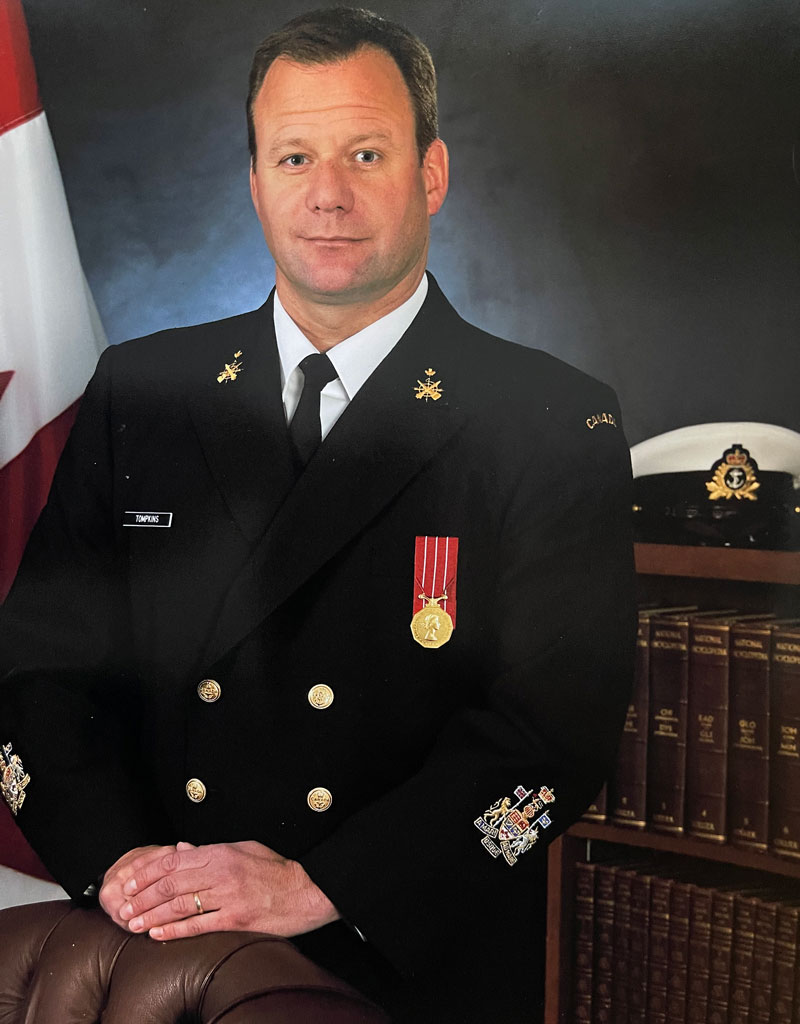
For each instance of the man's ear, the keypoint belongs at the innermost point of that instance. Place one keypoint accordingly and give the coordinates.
(436, 172)
(253, 185)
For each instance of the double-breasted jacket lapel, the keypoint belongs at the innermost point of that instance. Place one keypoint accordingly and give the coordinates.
(241, 423)
(381, 441)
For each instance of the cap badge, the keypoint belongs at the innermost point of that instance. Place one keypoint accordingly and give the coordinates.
(734, 477)
(13, 779)
(429, 388)
(232, 370)
(515, 826)
(435, 569)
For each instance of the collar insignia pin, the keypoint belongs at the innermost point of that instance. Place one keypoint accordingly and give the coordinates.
(232, 370)
(429, 388)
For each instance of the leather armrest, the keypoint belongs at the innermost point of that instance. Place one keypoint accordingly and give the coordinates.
(60, 962)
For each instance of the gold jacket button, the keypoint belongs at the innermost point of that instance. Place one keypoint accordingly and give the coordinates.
(320, 697)
(196, 791)
(209, 690)
(319, 799)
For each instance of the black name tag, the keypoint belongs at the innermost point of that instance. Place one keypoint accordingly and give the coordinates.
(147, 519)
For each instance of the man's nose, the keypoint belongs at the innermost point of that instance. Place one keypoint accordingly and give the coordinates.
(329, 189)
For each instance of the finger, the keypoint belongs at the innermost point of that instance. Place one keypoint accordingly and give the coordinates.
(112, 899)
(186, 846)
(196, 925)
(130, 855)
(149, 870)
(149, 855)
(177, 909)
(120, 870)
(110, 896)
(162, 891)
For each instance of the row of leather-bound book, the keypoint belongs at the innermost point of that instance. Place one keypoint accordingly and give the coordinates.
(690, 945)
(711, 744)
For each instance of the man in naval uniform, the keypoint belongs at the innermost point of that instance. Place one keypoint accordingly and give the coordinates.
(326, 629)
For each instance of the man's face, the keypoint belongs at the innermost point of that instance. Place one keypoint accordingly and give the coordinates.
(337, 185)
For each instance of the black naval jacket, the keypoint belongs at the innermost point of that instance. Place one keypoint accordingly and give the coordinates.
(270, 587)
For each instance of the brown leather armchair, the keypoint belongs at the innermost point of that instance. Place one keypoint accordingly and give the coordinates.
(62, 964)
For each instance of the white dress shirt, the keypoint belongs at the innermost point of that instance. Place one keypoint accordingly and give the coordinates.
(354, 358)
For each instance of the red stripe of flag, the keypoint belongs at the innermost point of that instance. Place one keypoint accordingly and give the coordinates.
(24, 486)
(19, 93)
(17, 854)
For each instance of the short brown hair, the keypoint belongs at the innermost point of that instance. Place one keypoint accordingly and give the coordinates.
(331, 34)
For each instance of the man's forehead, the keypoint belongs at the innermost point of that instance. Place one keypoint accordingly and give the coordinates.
(366, 84)
(331, 113)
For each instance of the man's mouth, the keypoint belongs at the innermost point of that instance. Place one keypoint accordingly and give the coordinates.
(331, 239)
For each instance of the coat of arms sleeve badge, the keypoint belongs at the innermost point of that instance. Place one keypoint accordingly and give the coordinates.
(515, 825)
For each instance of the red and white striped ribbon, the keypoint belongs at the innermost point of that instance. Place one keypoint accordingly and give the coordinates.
(435, 572)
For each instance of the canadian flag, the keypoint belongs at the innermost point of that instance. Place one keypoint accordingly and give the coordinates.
(50, 333)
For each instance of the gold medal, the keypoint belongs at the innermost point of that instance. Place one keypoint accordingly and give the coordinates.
(435, 561)
(432, 625)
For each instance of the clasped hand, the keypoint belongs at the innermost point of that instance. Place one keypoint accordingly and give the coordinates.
(240, 886)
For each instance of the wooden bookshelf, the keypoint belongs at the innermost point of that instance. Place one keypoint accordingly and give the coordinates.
(687, 847)
(748, 564)
(566, 851)
(751, 580)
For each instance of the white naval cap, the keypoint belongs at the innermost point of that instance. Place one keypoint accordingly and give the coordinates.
(722, 484)
(775, 449)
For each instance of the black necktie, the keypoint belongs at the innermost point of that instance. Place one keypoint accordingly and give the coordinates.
(305, 430)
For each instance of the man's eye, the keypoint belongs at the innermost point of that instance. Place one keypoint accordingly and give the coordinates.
(366, 156)
(295, 160)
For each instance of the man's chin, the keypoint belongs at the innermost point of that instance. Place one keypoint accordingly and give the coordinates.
(342, 283)
(342, 290)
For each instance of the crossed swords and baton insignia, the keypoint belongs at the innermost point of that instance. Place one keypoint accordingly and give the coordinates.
(429, 389)
(232, 369)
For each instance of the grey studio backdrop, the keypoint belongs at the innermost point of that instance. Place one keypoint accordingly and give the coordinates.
(624, 180)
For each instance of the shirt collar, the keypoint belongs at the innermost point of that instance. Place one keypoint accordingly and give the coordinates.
(356, 357)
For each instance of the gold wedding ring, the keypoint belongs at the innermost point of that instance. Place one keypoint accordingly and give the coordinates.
(198, 904)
